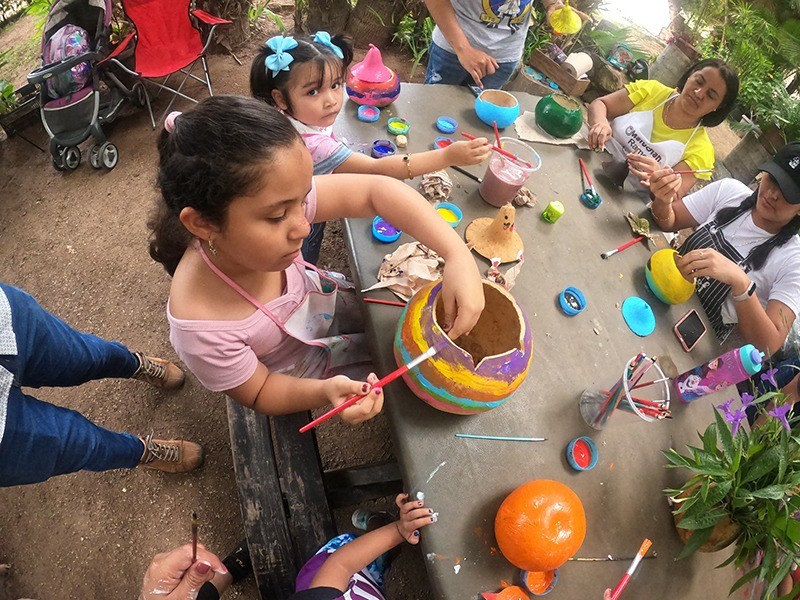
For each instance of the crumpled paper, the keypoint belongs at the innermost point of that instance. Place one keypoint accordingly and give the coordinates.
(436, 186)
(407, 269)
(525, 197)
(528, 130)
(508, 279)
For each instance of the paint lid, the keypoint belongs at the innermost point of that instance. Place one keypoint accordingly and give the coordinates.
(591, 199)
(368, 113)
(638, 316)
(572, 301)
(582, 453)
(385, 232)
(449, 212)
(539, 583)
(372, 69)
(441, 142)
(398, 126)
(382, 148)
(446, 124)
(751, 358)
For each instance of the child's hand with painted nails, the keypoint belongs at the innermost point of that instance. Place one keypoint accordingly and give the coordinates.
(340, 388)
(413, 517)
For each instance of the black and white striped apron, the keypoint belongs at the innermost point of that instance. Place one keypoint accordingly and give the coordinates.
(712, 293)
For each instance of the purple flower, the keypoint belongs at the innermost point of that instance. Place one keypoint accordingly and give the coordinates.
(735, 418)
(726, 406)
(779, 412)
(747, 400)
(770, 376)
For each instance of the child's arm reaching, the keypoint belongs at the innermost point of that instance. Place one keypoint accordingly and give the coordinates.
(368, 195)
(461, 153)
(351, 558)
(278, 394)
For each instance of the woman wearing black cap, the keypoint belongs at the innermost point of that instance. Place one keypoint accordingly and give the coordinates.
(744, 254)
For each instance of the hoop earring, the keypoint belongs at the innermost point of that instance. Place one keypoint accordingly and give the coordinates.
(211, 247)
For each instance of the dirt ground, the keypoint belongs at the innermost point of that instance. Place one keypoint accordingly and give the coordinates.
(78, 243)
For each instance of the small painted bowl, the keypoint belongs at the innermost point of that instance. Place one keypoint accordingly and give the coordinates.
(382, 148)
(559, 115)
(441, 142)
(449, 212)
(398, 126)
(446, 124)
(582, 453)
(497, 106)
(368, 114)
(385, 232)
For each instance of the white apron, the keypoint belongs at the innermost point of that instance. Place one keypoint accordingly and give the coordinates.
(310, 323)
(633, 132)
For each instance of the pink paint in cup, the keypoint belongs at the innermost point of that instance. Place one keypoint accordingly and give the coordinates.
(504, 176)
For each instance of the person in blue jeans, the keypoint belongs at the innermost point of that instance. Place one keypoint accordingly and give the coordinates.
(476, 42)
(39, 440)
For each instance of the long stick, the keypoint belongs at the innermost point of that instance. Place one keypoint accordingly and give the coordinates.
(380, 383)
(693, 172)
(586, 172)
(610, 558)
(467, 173)
(505, 153)
(386, 302)
(622, 247)
(501, 438)
(629, 573)
(194, 537)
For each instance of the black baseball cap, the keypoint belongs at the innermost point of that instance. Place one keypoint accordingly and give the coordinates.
(785, 169)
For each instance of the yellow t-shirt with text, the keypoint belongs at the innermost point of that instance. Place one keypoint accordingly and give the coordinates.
(651, 95)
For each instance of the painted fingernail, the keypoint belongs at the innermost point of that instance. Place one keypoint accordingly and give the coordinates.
(202, 568)
(419, 504)
(430, 510)
(446, 327)
(364, 388)
(416, 534)
(378, 391)
(435, 517)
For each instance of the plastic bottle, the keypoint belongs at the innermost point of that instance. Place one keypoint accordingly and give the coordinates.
(724, 371)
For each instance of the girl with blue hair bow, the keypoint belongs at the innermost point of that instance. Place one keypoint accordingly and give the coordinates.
(304, 78)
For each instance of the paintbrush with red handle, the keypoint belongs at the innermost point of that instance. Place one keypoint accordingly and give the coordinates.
(380, 383)
(628, 244)
(629, 573)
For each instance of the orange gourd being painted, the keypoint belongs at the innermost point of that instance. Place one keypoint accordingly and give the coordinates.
(540, 525)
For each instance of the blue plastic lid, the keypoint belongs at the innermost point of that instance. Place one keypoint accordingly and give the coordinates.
(572, 301)
(368, 113)
(751, 358)
(446, 124)
(385, 232)
(593, 454)
(638, 316)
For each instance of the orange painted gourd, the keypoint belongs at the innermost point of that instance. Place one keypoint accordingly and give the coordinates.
(540, 525)
(474, 373)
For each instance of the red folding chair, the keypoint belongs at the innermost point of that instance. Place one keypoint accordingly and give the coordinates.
(170, 38)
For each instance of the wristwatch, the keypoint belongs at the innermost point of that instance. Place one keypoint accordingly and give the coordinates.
(751, 289)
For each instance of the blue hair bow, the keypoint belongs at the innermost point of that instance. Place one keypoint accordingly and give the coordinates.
(324, 38)
(281, 59)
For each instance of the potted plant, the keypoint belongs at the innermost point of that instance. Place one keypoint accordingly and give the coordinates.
(748, 479)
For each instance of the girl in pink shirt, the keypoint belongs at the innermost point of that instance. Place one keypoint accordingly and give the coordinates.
(247, 315)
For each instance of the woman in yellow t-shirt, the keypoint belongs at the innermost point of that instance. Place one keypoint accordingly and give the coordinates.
(652, 126)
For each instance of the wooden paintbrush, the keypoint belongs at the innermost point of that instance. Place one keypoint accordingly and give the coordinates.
(194, 537)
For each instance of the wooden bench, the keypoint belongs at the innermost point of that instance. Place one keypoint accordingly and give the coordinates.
(285, 496)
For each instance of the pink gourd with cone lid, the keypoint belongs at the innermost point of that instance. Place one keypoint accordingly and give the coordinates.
(372, 82)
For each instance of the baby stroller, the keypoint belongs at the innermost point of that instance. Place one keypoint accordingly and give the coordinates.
(78, 90)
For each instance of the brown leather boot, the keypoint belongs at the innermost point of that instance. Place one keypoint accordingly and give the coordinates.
(158, 372)
(171, 456)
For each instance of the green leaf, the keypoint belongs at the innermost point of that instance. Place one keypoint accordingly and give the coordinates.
(778, 576)
(697, 539)
(762, 465)
(771, 492)
(751, 574)
(725, 437)
(703, 520)
(678, 460)
(710, 439)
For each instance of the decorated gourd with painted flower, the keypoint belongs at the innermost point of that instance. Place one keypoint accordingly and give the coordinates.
(476, 372)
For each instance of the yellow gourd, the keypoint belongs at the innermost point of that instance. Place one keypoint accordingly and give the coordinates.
(565, 20)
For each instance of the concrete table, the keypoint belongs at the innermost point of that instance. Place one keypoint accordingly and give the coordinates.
(465, 480)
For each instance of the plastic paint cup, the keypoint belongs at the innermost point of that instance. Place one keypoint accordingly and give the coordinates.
(368, 114)
(385, 232)
(539, 583)
(582, 453)
(382, 148)
(504, 176)
(398, 126)
(553, 211)
(441, 142)
(446, 124)
(449, 212)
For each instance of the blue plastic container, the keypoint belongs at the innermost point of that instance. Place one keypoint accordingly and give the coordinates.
(576, 460)
(385, 232)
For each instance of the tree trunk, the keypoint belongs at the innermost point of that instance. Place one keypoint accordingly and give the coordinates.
(374, 21)
(326, 15)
